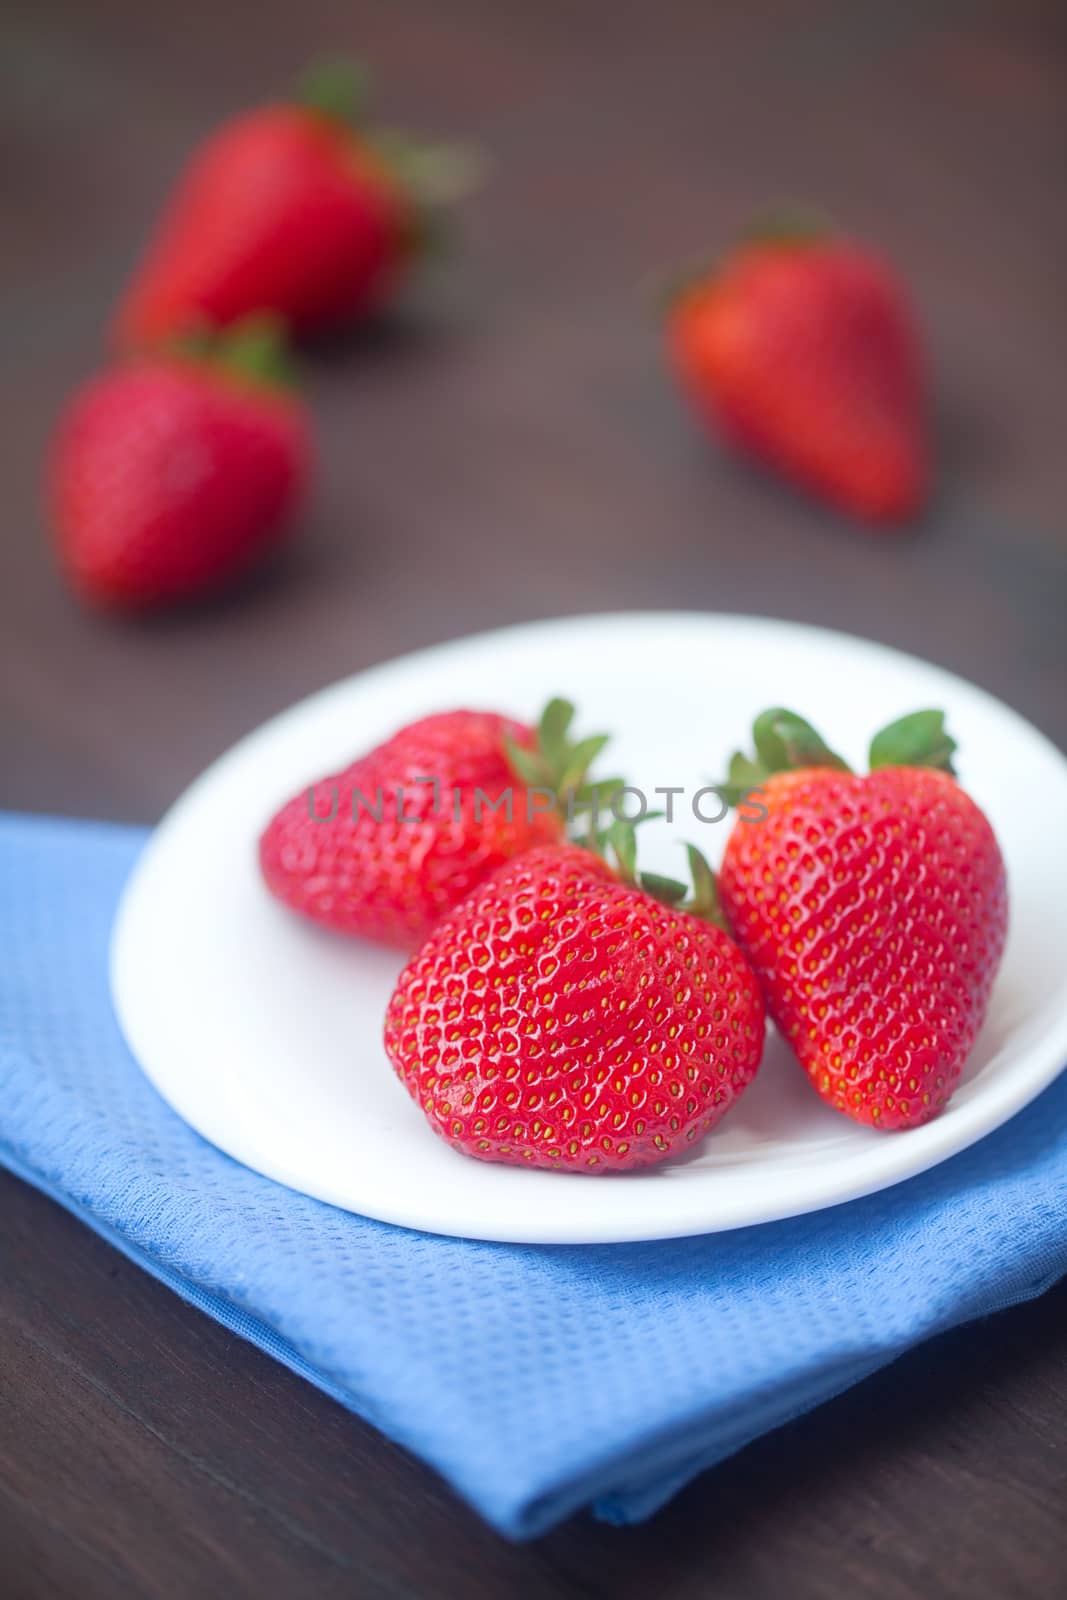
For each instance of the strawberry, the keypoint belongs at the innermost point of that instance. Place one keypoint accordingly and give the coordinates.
(173, 474)
(873, 908)
(564, 1016)
(289, 209)
(801, 349)
(387, 846)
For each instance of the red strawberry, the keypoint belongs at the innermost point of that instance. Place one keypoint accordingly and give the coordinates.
(873, 908)
(172, 475)
(339, 853)
(802, 350)
(563, 1017)
(288, 209)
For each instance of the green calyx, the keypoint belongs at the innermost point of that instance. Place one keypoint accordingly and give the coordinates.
(432, 177)
(787, 225)
(337, 88)
(700, 899)
(785, 742)
(791, 223)
(917, 740)
(560, 765)
(254, 351)
(435, 176)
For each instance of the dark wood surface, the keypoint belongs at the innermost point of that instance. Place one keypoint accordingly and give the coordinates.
(508, 448)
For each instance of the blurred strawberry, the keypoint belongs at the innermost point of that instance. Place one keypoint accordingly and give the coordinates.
(291, 209)
(800, 348)
(173, 474)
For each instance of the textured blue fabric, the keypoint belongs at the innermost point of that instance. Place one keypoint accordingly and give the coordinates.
(536, 1380)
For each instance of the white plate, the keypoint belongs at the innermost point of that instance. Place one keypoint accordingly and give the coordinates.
(264, 1032)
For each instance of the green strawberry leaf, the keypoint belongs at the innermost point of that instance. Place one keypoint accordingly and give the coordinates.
(526, 764)
(785, 742)
(668, 890)
(580, 757)
(917, 740)
(556, 718)
(256, 348)
(705, 901)
(623, 841)
(561, 764)
(744, 776)
(601, 791)
(791, 223)
(435, 176)
(337, 88)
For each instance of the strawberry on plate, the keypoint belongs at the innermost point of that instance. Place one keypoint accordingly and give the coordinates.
(572, 1016)
(873, 908)
(173, 474)
(384, 848)
(294, 209)
(800, 349)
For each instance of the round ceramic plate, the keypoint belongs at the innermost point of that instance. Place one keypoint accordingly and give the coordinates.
(264, 1032)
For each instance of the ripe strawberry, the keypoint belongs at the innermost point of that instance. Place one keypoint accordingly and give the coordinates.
(474, 789)
(873, 908)
(802, 350)
(289, 209)
(172, 475)
(561, 1016)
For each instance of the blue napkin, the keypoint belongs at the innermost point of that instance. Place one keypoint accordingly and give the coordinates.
(537, 1380)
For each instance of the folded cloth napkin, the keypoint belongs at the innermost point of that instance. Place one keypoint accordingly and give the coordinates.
(537, 1380)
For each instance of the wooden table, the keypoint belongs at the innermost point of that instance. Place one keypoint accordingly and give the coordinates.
(510, 448)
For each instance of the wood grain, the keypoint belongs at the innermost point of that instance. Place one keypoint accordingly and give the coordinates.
(508, 446)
